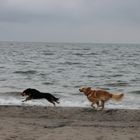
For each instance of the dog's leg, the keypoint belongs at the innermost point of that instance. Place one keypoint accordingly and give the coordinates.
(102, 104)
(92, 105)
(53, 103)
(28, 98)
(98, 105)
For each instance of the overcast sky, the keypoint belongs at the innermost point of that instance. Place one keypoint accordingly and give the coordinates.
(110, 21)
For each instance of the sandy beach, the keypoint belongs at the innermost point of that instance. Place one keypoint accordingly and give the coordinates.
(67, 123)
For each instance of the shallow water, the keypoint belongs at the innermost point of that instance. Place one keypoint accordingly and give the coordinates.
(62, 68)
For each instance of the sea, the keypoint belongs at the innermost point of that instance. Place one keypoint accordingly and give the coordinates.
(62, 68)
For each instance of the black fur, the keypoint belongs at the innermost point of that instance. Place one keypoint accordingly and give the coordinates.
(35, 94)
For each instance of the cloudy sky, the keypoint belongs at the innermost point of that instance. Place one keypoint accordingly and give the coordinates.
(111, 21)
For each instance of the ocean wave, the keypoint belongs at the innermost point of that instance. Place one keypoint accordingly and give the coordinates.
(117, 84)
(13, 94)
(48, 83)
(135, 91)
(78, 54)
(85, 54)
(70, 63)
(26, 72)
(3, 79)
(48, 53)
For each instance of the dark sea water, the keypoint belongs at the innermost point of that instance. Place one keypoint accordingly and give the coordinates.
(62, 68)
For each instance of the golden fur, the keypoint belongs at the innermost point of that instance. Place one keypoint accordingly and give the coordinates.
(98, 95)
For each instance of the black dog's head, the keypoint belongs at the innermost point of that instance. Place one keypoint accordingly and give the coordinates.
(29, 91)
(26, 92)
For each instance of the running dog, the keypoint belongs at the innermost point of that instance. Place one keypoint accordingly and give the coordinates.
(35, 94)
(98, 95)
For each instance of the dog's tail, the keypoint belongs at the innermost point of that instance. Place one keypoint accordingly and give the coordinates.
(117, 97)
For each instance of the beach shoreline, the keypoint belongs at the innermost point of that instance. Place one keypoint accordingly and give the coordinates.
(68, 123)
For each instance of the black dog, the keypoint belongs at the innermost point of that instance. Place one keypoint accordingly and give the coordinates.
(35, 94)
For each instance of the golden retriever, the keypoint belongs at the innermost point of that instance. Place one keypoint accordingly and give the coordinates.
(98, 95)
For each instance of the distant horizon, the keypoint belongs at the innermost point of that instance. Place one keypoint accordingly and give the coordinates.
(135, 43)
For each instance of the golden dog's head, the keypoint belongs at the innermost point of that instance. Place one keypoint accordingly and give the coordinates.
(85, 90)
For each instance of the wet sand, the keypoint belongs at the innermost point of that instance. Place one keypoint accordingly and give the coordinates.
(68, 123)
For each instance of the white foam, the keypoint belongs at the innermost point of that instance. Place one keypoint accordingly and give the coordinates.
(129, 102)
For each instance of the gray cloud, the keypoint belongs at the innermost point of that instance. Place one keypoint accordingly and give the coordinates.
(77, 20)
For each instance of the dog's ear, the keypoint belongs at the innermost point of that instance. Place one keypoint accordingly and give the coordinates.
(88, 88)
